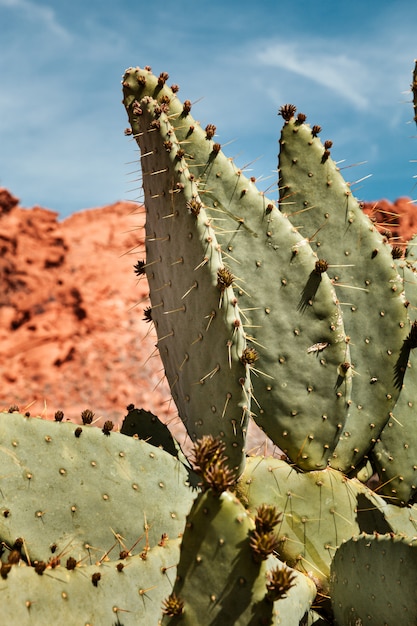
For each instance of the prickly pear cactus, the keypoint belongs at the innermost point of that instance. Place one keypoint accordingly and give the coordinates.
(299, 315)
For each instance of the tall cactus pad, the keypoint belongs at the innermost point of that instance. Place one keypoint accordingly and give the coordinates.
(194, 309)
(69, 489)
(319, 202)
(220, 582)
(374, 581)
(128, 591)
(288, 310)
(319, 509)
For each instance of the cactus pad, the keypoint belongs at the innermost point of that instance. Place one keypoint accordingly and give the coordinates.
(85, 494)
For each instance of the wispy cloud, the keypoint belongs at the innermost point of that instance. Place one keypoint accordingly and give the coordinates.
(39, 13)
(343, 74)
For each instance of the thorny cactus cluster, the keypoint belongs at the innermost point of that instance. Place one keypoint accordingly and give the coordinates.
(297, 314)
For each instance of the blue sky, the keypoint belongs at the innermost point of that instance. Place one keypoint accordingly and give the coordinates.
(347, 65)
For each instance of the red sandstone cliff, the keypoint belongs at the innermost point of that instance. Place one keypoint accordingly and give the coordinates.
(71, 329)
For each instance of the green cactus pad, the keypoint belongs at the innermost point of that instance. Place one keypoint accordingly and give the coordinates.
(85, 494)
(319, 510)
(289, 311)
(218, 580)
(125, 592)
(373, 581)
(321, 205)
(194, 309)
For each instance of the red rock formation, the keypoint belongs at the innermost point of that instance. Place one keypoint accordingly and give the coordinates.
(72, 334)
